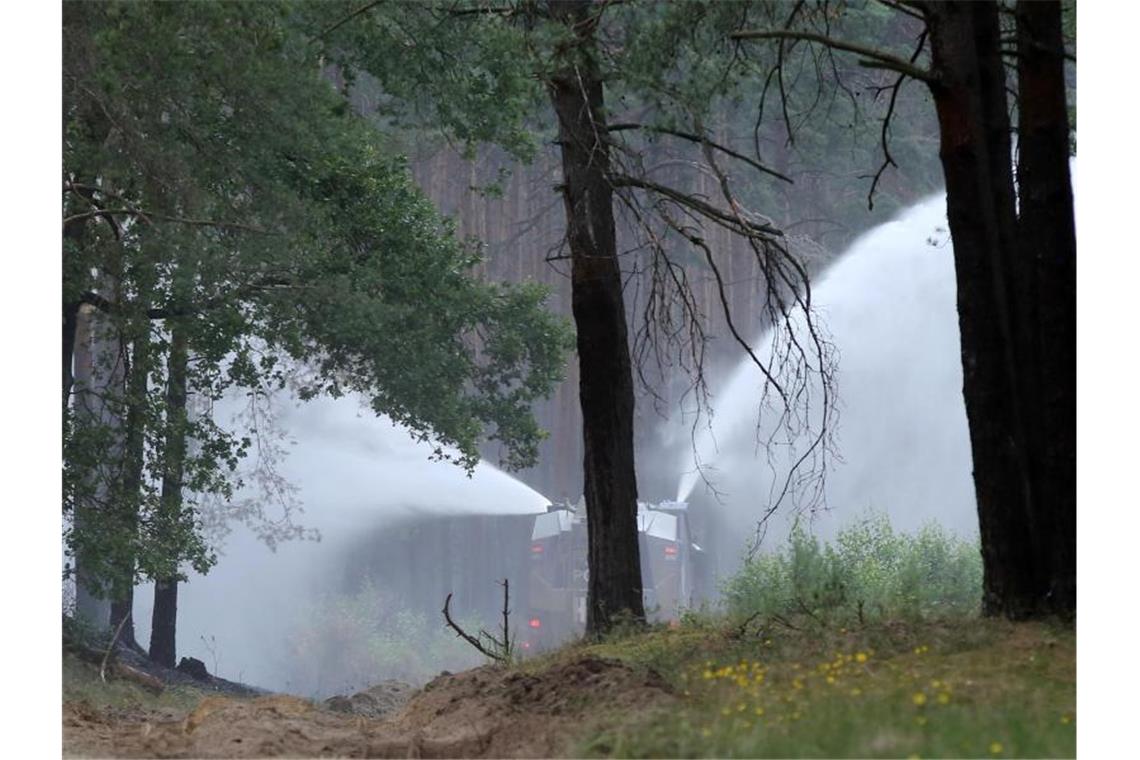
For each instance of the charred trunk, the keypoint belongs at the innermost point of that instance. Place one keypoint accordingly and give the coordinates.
(606, 378)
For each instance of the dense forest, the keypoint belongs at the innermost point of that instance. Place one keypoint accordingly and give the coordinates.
(525, 232)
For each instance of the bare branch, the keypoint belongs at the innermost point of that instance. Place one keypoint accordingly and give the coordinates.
(698, 205)
(904, 9)
(872, 57)
(888, 159)
(701, 140)
(465, 635)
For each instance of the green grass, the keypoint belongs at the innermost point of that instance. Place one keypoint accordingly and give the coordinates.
(81, 683)
(945, 689)
(869, 647)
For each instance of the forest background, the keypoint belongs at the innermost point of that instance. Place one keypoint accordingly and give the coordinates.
(1107, 524)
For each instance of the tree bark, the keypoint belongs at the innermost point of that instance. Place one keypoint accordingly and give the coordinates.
(1006, 311)
(164, 618)
(89, 354)
(127, 495)
(606, 384)
(1047, 254)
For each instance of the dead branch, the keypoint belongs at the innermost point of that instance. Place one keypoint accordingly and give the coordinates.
(500, 656)
(872, 58)
(888, 159)
(111, 648)
(734, 223)
(742, 629)
(700, 140)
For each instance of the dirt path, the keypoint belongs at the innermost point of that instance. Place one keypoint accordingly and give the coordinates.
(486, 712)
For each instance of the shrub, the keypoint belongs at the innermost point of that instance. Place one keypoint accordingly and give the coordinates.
(869, 571)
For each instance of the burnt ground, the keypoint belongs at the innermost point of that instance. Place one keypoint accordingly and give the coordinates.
(486, 712)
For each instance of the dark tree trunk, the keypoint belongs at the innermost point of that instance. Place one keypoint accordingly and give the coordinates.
(1002, 318)
(1048, 256)
(606, 385)
(126, 501)
(164, 618)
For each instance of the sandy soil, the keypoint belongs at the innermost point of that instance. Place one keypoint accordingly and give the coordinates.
(486, 712)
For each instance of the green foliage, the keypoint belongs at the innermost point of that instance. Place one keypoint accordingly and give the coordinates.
(869, 572)
(216, 184)
(839, 690)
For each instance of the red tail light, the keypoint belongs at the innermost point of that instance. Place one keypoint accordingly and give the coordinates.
(536, 549)
(670, 550)
(535, 623)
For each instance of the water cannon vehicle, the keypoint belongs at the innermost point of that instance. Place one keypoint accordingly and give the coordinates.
(674, 569)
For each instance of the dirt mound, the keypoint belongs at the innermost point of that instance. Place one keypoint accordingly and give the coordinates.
(379, 701)
(486, 712)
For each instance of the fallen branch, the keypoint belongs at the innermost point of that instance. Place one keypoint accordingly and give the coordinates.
(742, 629)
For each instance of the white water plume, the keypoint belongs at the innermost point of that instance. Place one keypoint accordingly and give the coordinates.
(888, 305)
(355, 473)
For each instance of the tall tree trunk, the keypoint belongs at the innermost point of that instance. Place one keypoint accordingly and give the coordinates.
(1047, 255)
(606, 385)
(90, 351)
(1000, 305)
(164, 618)
(128, 494)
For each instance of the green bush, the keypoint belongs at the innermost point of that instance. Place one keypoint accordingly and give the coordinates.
(868, 572)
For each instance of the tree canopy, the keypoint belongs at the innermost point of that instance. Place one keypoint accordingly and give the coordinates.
(215, 185)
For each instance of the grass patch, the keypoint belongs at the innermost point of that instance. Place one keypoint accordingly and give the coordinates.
(868, 647)
(966, 688)
(81, 683)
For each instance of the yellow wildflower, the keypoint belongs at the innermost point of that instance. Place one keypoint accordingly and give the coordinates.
(860, 657)
(759, 711)
(741, 707)
(919, 698)
(944, 698)
(856, 691)
(1066, 719)
(995, 748)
